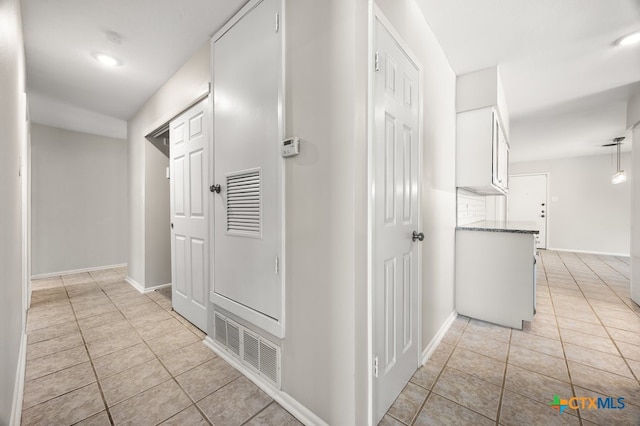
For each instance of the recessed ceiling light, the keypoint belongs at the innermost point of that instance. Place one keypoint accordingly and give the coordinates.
(629, 39)
(108, 60)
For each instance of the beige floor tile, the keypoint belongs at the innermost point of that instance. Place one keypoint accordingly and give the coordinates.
(190, 416)
(132, 311)
(387, 420)
(152, 330)
(538, 362)
(235, 403)
(604, 382)
(603, 361)
(80, 278)
(516, 410)
(441, 354)
(273, 415)
(167, 399)
(439, 411)
(100, 419)
(107, 330)
(628, 350)
(53, 385)
(485, 368)
(207, 378)
(113, 344)
(128, 383)
(186, 358)
(105, 276)
(97, 320)
(49, 318)
(55, 362)
(89, 310)
(630, 324)
(547, 330)
(122, 360)
(534, 385)
(152, 318)
(626, 336)
(408, 403)
(69, 327)
(52, 346)
(172, 341)
(469, 391)
(584, 327)
(635, 367)
(122, 300)
(489, 331)
(602, 344)
(480, 344)
(67, 409)
(46, 283)
(537, 343)
(426, 375)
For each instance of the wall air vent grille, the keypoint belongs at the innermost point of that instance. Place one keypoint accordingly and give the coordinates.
(244, 207)
(256, 352)
(220, 326)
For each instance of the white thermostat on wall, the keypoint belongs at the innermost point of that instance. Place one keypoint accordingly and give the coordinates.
(290, 147)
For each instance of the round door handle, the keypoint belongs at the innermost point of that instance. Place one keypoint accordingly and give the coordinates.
(417, 236)
(215, 188)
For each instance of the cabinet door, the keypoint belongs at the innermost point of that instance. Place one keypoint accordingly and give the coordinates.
(503, 161)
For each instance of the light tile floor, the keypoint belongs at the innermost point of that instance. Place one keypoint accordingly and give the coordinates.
(583, 342)
(101, 353)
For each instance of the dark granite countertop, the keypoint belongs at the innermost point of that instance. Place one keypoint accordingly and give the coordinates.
(492, 226)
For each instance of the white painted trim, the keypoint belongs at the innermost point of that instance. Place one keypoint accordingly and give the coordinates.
(287, 402)
(433, 344)
(18, 389)
(597, 253)
(254, 317)
(143, 289)
(76, 271)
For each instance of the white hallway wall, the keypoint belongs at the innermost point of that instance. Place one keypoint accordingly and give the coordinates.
(12, 137)
(149, 214)
(590, 213)
(633, 122)
(79, 200)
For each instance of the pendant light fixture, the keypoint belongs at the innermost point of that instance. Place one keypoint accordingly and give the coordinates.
(619, 176)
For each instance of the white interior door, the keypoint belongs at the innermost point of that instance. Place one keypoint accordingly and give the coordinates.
(527, 202)
(396, 259)
(189, 152)
(247, 247)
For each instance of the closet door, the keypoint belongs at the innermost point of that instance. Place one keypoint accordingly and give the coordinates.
(247, 164)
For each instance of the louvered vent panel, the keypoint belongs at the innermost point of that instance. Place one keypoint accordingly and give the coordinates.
(269, 361)
(251, 353)
(244, 214)
(233, 337)
(220, 325)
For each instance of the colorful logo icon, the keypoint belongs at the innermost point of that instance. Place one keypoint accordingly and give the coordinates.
(559, 404)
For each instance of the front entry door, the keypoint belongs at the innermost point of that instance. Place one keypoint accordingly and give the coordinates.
(396, 262)
(527, 202)
(189, 171)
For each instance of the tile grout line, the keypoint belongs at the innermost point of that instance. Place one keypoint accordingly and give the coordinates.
(86, 348)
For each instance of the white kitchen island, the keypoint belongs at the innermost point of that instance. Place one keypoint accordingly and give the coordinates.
(495, 272)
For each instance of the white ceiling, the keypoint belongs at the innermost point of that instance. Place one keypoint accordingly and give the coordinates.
(157, 37)
(565, 82)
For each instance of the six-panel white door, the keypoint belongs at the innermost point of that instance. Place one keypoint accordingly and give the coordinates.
(189, 171)
(395, 198)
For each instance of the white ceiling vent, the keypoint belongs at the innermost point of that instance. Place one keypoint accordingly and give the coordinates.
(261, 355)
(244, 212)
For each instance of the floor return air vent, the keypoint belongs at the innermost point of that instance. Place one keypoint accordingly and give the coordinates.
(254, 351)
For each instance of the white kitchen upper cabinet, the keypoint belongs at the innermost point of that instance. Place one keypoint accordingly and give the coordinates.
(482, 152)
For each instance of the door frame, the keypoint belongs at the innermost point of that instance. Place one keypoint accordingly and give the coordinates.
(376, 14)
(547, 205)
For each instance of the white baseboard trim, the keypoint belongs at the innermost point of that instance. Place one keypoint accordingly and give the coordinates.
(433, 344)
(18, 390)
(287, 402)
(597, 253)
(142, 289)
(76, 271)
